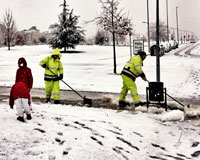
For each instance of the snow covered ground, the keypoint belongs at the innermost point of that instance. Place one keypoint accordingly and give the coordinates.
(59, 132)
(92, 69)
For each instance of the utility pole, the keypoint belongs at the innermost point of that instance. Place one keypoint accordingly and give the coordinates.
(130, 45)
(148, 26)
(177, 24)
(157, 43)
(113, 35)
(167, 21)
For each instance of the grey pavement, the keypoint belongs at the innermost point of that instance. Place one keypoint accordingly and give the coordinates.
(70, 97)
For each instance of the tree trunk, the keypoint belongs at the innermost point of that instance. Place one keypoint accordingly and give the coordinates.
(114, 53)
(8, 45)
(113, 34)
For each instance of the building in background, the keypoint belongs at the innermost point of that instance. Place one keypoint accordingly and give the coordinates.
(2, 40)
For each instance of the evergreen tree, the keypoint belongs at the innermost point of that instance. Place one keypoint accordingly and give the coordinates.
(19, 40)
(67, 32)
(101, 37)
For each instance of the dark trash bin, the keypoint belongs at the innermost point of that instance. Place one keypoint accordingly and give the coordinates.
(156, 93)
(153, 50)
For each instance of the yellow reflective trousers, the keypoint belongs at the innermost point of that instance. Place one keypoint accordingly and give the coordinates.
(52, 85)
(129, 84)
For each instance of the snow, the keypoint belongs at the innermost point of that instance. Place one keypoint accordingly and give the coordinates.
(95, 66)
(72, 132)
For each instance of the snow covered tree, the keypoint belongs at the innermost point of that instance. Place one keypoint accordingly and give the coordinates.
(113, 20)
(9, 28)
(43, 39)
(101, 37)
(67, 32)
(19, 39)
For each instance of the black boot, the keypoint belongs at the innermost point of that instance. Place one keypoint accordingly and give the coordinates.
(21, 119)
(28, 117)
(122, 104)
(47, 100)
(57, 102)
(140, 104)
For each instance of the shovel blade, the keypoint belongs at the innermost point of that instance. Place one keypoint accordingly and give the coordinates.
(87, 101)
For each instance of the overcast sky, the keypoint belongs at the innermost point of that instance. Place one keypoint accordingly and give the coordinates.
(42, 13)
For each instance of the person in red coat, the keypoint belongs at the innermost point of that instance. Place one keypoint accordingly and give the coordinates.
(24, 73)
(19, 94)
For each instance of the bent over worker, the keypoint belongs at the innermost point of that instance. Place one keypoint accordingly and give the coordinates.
(53, 73)
(130, 72)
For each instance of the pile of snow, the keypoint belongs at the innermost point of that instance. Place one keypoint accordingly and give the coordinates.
(175, 115)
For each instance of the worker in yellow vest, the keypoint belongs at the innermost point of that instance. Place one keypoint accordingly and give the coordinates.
(130, 72)
(53, 73)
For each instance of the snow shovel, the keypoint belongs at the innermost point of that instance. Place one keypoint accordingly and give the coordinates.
(174, 98)
(178, 101)
(85, 100)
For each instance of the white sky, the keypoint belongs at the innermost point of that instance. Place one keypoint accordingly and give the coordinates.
(42, 13)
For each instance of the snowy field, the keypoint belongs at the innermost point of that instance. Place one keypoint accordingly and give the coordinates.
(61, 132)
(92, 69)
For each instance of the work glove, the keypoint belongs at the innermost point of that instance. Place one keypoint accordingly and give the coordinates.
(145, 79)
(45, 66)
(61, 77)
(11, 106)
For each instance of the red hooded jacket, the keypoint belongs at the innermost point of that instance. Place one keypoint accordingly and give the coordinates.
(19, 90)
(24, 73)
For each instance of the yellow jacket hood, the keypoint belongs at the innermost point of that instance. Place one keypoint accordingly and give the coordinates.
(56, 52)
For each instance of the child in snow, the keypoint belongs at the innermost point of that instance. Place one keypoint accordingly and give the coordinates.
(19, 94)
(24, 74)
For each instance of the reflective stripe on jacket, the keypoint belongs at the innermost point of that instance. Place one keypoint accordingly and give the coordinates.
(133, 68)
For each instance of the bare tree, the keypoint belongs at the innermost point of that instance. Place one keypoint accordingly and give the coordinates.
(162, 31)
(113, 20)
(10, 28)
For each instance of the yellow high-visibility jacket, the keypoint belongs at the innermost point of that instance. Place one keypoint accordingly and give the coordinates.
(55, 66)
(133, 68)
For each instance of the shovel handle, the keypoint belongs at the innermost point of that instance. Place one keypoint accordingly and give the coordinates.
(68, 85)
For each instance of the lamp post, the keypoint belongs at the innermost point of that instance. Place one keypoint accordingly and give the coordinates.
(148, 36)
(130, 44)
(157, 43)
(167, 21)
(177, 24)
(148, 26)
